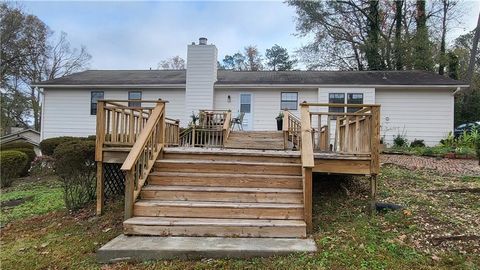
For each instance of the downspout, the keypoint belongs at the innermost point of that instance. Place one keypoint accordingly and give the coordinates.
(42, 104)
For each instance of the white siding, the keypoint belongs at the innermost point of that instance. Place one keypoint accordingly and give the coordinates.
(66, 112)
(201, 75)
(265, 104)
(418, 114)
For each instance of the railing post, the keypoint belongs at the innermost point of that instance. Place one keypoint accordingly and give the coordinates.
(129, 189)
(375, 141)
(307, 198)
(99, 141)
(307, 164)
(285, 129)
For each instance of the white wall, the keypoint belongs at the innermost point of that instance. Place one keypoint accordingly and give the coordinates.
(265, 103)
(418, 114)
(66, 112)
(201, 75)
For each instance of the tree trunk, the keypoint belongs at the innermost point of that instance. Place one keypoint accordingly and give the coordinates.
(372, 46)
(441, 67)
(398, 35)
(473, 52)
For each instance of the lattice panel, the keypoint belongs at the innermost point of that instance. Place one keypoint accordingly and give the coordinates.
(114, 180)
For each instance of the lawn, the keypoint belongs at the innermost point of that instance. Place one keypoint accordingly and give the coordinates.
(438, 229)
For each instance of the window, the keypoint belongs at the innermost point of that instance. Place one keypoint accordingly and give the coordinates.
(336, 98)
(94, 97)
(289, 101)
(134, 95)
(245, 103)
(354, 98)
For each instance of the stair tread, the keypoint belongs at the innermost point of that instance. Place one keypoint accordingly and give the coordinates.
(226, 162)
(221, 175)
(218, 204)
(172, 221)
(220, 189)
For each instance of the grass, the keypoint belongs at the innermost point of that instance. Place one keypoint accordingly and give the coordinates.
(41, 196)
(346, 237)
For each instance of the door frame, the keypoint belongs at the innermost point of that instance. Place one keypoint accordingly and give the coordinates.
(251, 105)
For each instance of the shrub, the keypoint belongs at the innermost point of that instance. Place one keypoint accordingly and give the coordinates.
(41, 166)
(417, 143)
(48, 145)
(12, 163)
(449, 141)
(75, 165)
(16, 145)
(30, 155)
(400, 141)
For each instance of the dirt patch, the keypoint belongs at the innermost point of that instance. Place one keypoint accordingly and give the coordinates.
(15, 202)
(443, 166)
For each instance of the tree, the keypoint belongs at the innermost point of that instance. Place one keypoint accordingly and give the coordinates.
(473, 52)
(277, 58)
(175, 62)
(253, 58)
(372, 45)
(234, 62)
(29, 54)
(422, 50)
(447, 11)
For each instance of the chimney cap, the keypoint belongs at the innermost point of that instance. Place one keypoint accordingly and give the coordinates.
(202, 41)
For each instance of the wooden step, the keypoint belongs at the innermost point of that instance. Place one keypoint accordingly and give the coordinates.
(164, 226)
(232, 167)
(248, 155)
(222, 194)
(225, 179)
(218, 209)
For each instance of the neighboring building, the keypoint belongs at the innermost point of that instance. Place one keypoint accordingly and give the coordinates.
(23, 135)
(416, 104)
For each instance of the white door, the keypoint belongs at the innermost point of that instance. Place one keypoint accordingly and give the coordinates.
(246, 107)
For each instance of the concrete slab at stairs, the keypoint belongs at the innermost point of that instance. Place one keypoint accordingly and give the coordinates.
(139, 248)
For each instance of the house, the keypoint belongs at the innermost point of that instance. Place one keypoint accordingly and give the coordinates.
(415, 104)
(211, 180)
(23, 135)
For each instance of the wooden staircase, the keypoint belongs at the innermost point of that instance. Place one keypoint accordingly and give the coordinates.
(235, 193)
(263, 140)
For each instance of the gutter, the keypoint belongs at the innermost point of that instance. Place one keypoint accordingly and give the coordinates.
(335, 86)
(110, 85)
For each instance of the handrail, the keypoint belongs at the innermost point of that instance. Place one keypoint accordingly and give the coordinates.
(142, 156)
(291, 129)
(338, 105)
(306, 146)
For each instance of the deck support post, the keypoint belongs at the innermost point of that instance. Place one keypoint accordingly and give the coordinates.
(100, 188)
(129, 190)
(373, 194)
(307, 198)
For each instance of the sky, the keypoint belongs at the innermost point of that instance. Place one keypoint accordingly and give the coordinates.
(138, 35)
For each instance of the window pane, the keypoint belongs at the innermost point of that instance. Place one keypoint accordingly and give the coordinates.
(290, 96)
(94, 97)
(134, 95)
(288, 105)
(245, 108)
(336, 98)
(245, 99)
(354, 98)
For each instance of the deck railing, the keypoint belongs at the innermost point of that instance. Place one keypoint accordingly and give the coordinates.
(144, 129)
(143, 155)
(291, 127)
(352, 129)
(212, 130)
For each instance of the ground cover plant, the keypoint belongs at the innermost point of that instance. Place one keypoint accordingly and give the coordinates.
(437, 229)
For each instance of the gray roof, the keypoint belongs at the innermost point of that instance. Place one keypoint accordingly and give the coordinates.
(228, 77)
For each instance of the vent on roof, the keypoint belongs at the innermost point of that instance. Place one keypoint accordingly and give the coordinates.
(202, 41)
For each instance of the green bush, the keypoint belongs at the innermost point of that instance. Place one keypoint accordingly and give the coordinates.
(417, 143)
(74, 163)
(12, 163)
(48, 145)
(400, 141)
(16, 145)
(31, 156)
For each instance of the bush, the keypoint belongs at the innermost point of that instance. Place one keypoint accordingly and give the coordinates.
(41, 166)
(417, 143)
(400, 141)
(75, 165)
(48, 145)
(31, 156)
(16, 145)
(12, 163)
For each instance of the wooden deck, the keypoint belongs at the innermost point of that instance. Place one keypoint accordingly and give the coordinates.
(209, 180)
